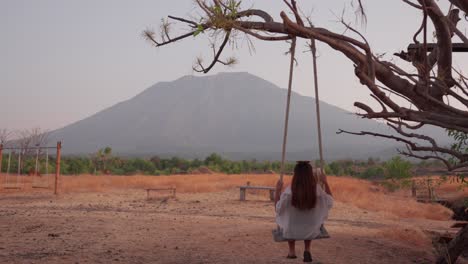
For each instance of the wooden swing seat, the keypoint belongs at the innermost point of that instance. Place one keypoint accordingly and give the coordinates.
(11, 187)
(278, 235)
(40, 187)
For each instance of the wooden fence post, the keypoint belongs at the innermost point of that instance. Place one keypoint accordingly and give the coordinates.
(57, 167)
(429, 189)
(242, 194)
(1, 157)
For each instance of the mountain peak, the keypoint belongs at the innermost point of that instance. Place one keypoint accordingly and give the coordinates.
(228, 112)
(218, 75)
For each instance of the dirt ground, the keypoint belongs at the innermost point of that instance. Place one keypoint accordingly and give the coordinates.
(214, 227)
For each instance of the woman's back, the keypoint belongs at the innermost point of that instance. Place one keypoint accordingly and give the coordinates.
(302, 224)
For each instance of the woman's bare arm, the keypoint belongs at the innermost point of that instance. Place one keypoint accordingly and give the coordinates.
(325, 183)
(327, 188)
(279, 187)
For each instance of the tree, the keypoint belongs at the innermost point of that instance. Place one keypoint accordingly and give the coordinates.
(335, 169)
(373, 172)
(76, 165)
(101, 158)
(397, 169)
(144, 166)
(213, 160)
(156, 161)
(460, 145)
(4, 136)
(30, 142)
(29, 139)
(420, 96)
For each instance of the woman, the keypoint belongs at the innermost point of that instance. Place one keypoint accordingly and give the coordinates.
(302, 208)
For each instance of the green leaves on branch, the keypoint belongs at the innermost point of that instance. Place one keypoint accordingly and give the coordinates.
(461, 140)
(222, 15)
(199, 30)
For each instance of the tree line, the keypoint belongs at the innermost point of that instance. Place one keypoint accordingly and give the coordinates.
(104, 162)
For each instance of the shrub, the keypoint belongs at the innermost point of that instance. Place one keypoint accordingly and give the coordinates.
(397, 169)
(375, 172)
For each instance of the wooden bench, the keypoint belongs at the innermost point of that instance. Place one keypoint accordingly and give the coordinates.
(244, 188)
(459, 225)
(449, 235)
(171, 189)
(421, 199)
(423, 191)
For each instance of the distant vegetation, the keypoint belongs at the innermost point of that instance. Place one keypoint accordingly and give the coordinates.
(104, 162)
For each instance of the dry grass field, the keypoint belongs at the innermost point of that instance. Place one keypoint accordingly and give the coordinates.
(359, 193)
(104, 219)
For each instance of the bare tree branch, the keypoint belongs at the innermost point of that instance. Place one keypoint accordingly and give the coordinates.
(216, 55)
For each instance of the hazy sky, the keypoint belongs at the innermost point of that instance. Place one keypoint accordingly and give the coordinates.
(62, 61)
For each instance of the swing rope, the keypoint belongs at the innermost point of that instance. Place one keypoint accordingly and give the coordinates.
(5, 178)
(37, 162)
(19, 170)
(9, 161)
(8, 170)
(19, 162)
(47, 167)
(47, 162)
(288, 102)
(313, 48)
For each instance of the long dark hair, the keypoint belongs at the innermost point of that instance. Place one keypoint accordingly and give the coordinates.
(304, 186)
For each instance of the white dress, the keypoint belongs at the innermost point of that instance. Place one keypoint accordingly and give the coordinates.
(298, 224)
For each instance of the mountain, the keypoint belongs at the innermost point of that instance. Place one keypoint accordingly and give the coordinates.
(236, 114)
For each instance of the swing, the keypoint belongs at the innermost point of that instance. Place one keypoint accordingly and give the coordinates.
(277, 233)
(36, 182)
(9, 183)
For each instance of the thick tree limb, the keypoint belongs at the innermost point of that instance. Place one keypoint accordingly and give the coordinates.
(444, 41)
(462, 4)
